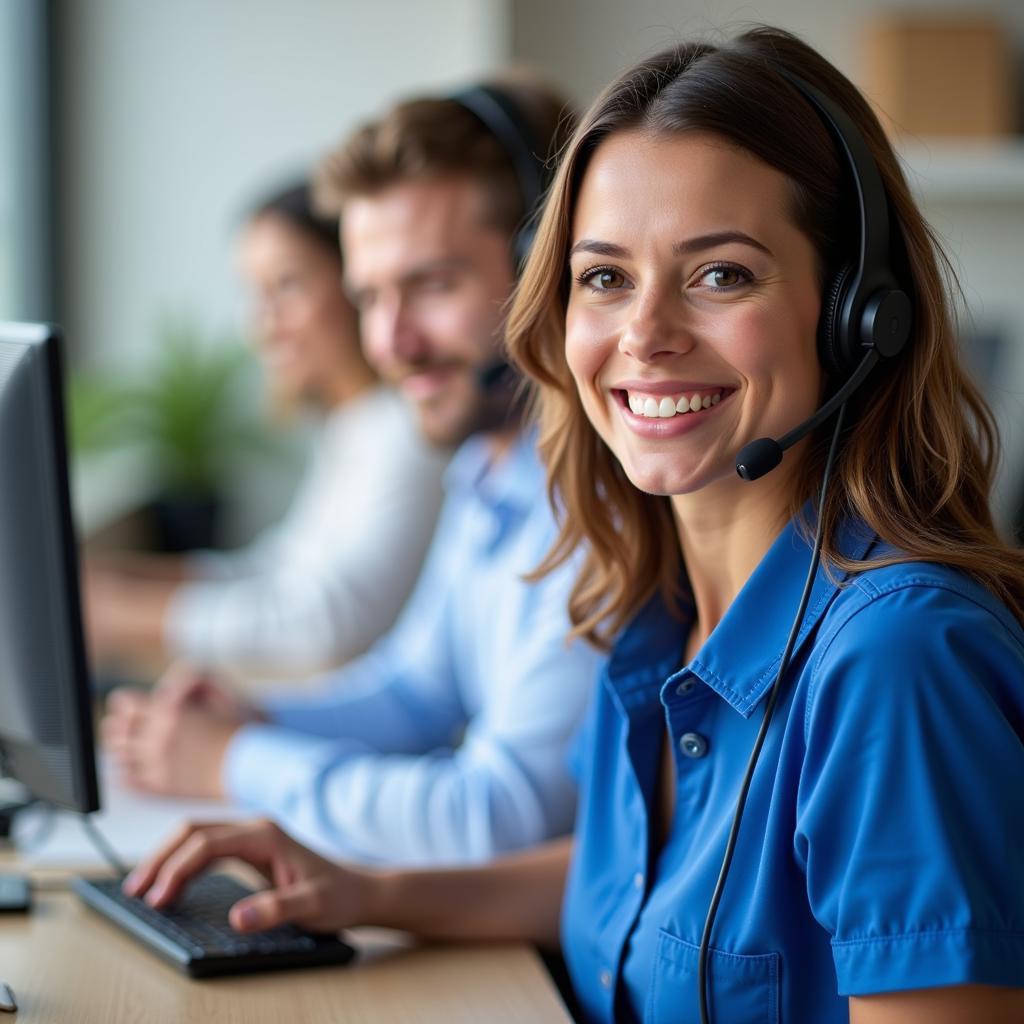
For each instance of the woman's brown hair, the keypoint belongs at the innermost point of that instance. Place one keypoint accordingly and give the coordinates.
(918, 464)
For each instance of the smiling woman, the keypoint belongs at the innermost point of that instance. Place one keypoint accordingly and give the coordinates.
(762, 155)
(321, 585)
(713, 266)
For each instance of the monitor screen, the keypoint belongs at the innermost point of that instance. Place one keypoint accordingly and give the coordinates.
(46, 740)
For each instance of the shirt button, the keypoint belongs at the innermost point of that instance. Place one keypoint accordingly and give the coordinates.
(692, 744)
(686, 686)
(638, 880)
(605, 977)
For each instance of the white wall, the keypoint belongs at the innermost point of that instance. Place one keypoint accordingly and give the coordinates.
(982, 235)
(177, 114)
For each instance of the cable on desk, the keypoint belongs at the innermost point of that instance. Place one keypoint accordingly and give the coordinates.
(8, 812)
(28, 840)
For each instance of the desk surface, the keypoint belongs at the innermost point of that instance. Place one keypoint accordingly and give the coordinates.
(67, 965)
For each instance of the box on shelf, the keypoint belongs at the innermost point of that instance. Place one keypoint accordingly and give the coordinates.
(941, 74)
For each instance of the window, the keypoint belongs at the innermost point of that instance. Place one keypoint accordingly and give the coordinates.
(26, 181)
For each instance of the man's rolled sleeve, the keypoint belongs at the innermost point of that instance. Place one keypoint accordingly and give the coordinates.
(297, 761)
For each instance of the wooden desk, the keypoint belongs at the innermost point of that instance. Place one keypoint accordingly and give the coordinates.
(67, 965)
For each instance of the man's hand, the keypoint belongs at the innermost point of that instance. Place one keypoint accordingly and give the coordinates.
(306, 889)
(173, 741)
(200, 689)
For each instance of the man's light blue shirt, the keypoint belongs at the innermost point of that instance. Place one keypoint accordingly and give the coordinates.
(882, 844)
(446, 741)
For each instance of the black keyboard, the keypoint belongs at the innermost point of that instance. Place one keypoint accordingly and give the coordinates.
(194, 935)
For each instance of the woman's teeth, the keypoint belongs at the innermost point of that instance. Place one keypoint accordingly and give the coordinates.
(663, 408)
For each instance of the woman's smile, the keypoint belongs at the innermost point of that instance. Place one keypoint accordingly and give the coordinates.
(668, 409)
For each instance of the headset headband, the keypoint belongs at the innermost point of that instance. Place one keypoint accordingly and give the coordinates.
(865, 307)
(505, 120)
(872, 204)
(502, 117)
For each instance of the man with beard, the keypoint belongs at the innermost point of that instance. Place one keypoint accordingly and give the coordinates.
(446, 742)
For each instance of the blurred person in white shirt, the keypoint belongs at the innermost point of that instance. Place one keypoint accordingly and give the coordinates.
(321, 585)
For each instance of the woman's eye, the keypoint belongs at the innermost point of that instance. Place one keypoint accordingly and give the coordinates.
(724, 277)
(602, 279)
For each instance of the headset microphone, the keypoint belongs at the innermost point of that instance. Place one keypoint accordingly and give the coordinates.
(496, 375)
(763, 455)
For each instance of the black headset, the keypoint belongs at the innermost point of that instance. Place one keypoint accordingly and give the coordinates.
(865, 313)
(865, 317)
(507, 123)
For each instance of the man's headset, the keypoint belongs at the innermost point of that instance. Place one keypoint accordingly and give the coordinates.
(505, 120)
(865, 314)
(865, 317)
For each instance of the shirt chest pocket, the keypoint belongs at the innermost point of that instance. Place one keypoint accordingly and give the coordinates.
(742, 989)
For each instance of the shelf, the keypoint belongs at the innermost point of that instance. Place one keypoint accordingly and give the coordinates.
(965, 171)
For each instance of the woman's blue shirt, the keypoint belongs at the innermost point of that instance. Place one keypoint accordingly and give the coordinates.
(882, 846)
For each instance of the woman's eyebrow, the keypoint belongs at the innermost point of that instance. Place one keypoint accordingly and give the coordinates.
(690, 245)
(599, 248)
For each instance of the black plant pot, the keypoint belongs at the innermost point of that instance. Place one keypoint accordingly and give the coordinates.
(184, 522)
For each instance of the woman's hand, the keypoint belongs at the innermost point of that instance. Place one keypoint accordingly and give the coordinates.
(512, 898)
(305, 889)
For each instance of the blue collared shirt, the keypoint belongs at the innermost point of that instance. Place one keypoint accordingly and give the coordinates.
(446, 741)
(882, 846)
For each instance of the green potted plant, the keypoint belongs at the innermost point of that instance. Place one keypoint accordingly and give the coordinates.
(189, 414)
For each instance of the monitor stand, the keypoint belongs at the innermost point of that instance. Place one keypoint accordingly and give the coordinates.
(15, 895)
(15, 890)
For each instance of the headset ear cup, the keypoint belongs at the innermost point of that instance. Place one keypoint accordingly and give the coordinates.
(831, 344)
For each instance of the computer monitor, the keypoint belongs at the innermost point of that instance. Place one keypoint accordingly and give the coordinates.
(46, 736)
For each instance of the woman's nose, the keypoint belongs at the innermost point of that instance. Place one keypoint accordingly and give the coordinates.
(656, 328)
